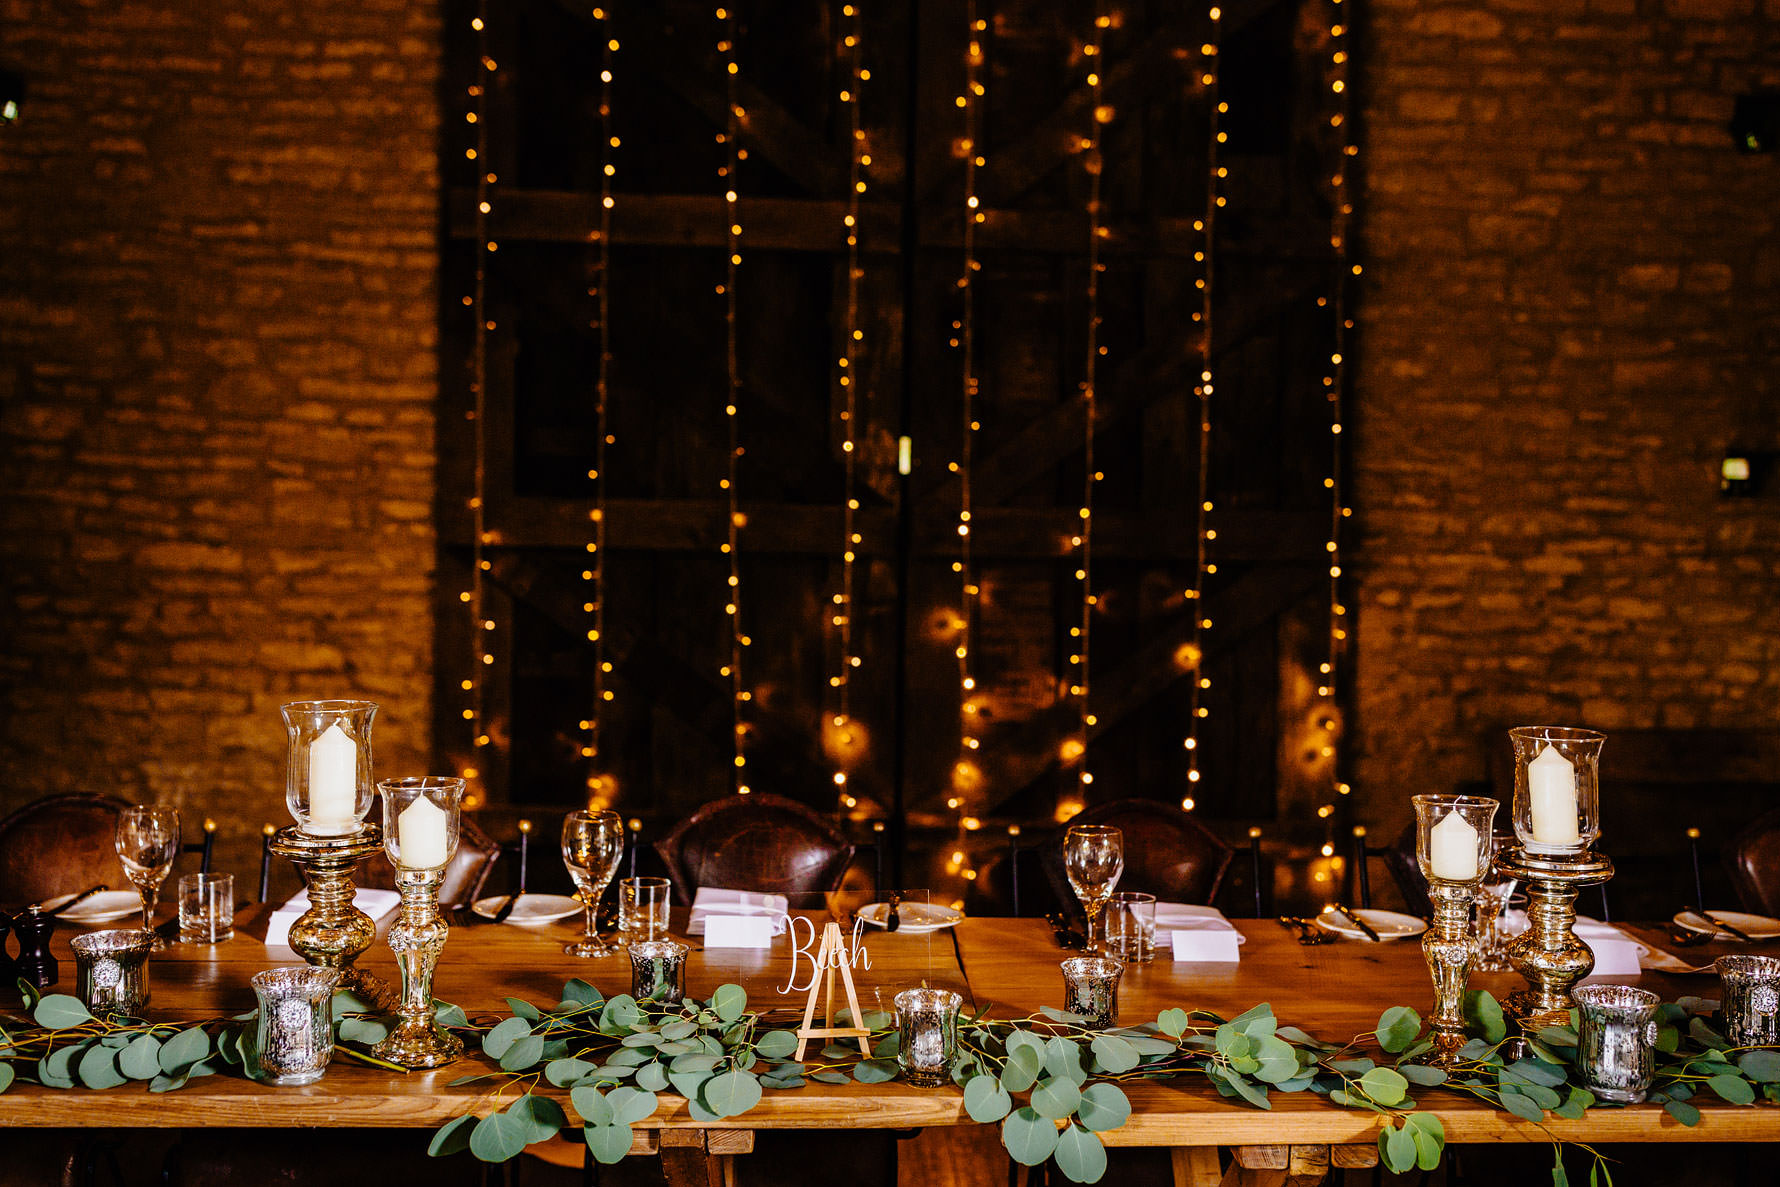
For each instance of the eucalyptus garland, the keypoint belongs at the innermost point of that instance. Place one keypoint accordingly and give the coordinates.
(1051, 1082)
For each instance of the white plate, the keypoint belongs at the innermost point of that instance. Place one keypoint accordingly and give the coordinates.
(918, 919)
(103, 907)
(529, 909)
(1758, 927)
(1388, 924)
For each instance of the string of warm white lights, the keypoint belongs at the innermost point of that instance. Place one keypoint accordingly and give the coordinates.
(1203, 566)
(847, 372)
(599, 784)
(1082, 633)
(967, 776)
(1333, 383)
(734, 155)
(481, 654)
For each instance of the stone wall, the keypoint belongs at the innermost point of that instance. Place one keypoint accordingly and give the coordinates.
(1571, 308)
(217, 375)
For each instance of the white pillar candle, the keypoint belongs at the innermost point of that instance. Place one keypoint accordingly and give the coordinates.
(1551, 798)
(420, 835)
(333, 783)
(1452, 849)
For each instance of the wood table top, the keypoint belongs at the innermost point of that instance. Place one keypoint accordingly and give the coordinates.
(1334, 991)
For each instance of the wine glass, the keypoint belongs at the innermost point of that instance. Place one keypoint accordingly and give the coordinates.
(1094, 857)
(1493, 894)
(592, 847)
(147, 842)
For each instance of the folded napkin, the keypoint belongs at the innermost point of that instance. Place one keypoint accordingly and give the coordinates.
(1173, 917)
(713, 900)
(375, 903)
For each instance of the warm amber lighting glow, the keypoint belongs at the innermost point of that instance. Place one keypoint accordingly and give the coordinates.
(1068, 810)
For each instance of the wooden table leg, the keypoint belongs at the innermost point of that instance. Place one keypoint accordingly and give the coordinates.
(703, 1157)
(1277, 1166)
(1197, 1166)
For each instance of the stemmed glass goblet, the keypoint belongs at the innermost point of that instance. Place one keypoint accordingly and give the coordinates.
(592, 847)
(1493, 894)
(147, 843)
(1094, 857)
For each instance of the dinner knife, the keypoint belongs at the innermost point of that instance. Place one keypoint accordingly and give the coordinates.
(893, 916)
(1721, 925)
(1366, 928)
(82, 897)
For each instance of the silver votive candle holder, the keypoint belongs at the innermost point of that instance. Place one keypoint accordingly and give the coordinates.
(111, 971)
(1091, 989)
(295, 1036)
(927, 1035)
(1749, 1009)
(1616, 1041)
(658, 971)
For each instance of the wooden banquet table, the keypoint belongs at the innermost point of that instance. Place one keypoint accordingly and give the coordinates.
(1334, 991)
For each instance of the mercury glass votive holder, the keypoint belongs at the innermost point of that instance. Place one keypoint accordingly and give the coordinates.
(1091, 989)
(111, 971)
(1616, 1041)
(658, 971)
(295, 1036)
(1749, 1009)
(927, 1035)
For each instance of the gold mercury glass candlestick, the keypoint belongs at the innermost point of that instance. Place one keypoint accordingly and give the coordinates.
(333, 932)
(1557, 818)
(1453, 843)
(420, 826)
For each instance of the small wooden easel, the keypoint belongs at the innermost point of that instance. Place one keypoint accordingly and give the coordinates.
(832, 956)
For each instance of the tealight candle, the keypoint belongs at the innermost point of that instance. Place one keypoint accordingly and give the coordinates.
(1551, 795)
(1452, 849)
(421, 835)
(333, 783)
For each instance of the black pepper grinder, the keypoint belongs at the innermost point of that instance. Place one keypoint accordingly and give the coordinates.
(35, 964)
(9, 969)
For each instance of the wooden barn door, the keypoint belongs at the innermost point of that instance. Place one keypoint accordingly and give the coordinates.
(667, 729)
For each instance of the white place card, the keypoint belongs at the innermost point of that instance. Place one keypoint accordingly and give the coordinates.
(1205, 947)
(1614, 958)
(738, 931)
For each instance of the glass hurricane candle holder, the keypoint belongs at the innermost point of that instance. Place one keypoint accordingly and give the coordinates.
(420, 827)
(111, 971)
(1557, 796)
(327, 782)
(1453, 845)
(927, 1035)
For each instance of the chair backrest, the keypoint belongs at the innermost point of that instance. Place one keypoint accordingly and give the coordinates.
(465, 876)
(756, 842)
(1754, 861)
(1168, 853)
(1399, 858)
(60, 845)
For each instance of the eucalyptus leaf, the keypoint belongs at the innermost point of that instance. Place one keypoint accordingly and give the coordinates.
(1384, 1085)
(1728, 1085)
(1278, 1060)
(581, 993)
(608, 1143)
(775, 1044)
(1063, 1057)
(185, 1049)
(631, 1105)
(1252, 1093)
(496, 1041)
(6, 1075)
(1521, 1106)
(498, 1137)
(1683, 1112)
(1022, 1068)
(1029, 1138)
(1762, 1066)
(541, 1115)
(1419, 1073)
(1103, 1107)
(524, 1009)
(831, 1077)
(1397, 1028)
(1255, 1021)
(167, 1083)
(1081, 1156)
(592, 1106)
(1063, 1016)
(652, 1077)
(1483, 1013)
(732, 1093)
(141, 1060)
(1114, 1055)
(369, 1031)
(619, 1014)
(1429, 1135)
(453, 1137)
(1056, 1097)
(447, 1014)
(729, 1002)
(59, 1011)
(875, 1071)
(1025, 1039)
(986, 1100)
(563, 1073)
(98, 1068)
(1397, 1147)
(680, 1028)
(523, 1053)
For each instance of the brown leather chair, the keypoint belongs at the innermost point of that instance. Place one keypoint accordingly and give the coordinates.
(464, 877)
(756, 842)
(1754, 861)
(60, 845)
(1399, 858)
(1168, 853)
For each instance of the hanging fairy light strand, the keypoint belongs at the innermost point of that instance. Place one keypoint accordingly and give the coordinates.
(734, 154)
(847, 377)
(1203, 566)
(1334, 382)
(966, 773)
(1081, 634)
(599, 784)
(481, 626)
